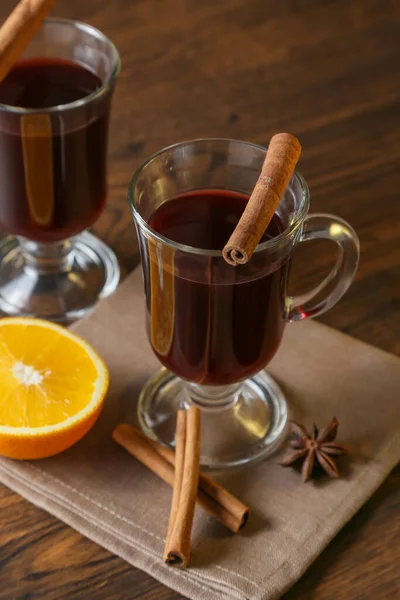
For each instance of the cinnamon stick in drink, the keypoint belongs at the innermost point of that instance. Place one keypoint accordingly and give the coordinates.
(281, 159)
(18, 30)
(211, 497)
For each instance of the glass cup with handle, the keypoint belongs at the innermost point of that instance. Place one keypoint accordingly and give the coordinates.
(215, 327)
(54, 115)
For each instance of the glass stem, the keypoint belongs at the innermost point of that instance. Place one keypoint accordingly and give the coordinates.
(47, 258)
(207, 397)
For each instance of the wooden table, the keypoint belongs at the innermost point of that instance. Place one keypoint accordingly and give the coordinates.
(327, 71)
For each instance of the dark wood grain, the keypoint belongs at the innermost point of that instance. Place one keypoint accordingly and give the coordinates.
(325, 70)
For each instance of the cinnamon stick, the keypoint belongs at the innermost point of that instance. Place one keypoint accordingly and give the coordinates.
(180, 441)
(18, 30)
(186, 481)
(214, 498)
(281, 159)
(211, 497)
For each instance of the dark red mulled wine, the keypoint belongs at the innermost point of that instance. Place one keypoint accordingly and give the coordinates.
(52, 164)
(227, 322)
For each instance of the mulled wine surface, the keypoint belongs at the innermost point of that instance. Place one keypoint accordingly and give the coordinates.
(227, 323)
(52, 167)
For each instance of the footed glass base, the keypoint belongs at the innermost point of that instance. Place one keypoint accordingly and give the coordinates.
(247, 428)
(60, 281)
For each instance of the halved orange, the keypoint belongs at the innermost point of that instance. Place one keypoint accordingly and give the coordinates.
(52, 388)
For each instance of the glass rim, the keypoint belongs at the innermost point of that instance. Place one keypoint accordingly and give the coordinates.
(103, 89)
(298, 219)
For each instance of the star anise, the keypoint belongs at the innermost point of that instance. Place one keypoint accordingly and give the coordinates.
(319, 447)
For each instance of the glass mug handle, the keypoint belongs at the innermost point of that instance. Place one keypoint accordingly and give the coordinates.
(328, 227)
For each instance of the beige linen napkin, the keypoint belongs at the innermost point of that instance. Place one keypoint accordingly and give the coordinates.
(100, 490)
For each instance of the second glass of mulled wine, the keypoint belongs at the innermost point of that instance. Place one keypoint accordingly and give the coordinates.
(54, 114)
(215, 327)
